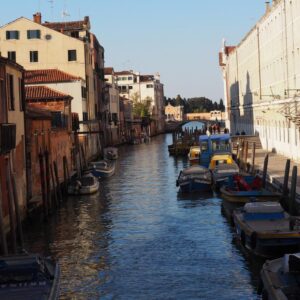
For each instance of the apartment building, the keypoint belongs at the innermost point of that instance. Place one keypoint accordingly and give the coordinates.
(66, 46)
(262, 79)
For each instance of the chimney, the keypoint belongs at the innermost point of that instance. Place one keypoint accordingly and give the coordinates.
(37, 18)
(268, 6)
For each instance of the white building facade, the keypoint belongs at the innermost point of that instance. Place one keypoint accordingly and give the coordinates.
(137, 87)
(262, 80)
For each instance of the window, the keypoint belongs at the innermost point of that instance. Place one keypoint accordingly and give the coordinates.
(149, 86)
(85, 116)
(12, 35)
(10, 92)
(72, 55)
(75, 34)
(11, 55)
(34, 56)
(83, 92)
(33, 34)
(130, 87)
(130, 78)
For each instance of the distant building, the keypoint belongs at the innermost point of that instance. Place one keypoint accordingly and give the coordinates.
(138, 87)
(174, 113)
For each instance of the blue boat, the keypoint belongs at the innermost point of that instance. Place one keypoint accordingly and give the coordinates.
(29, 277)
(213, 144)
(194, 179)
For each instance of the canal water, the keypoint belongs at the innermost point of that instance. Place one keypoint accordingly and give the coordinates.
(141, 239)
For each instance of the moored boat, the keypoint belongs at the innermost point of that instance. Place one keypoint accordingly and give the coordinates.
(193, 155)
(222, 167)
(85, 185)
(194, 178)
(266, 229)
(111, 153)
(243, 189)
(280, 278)
(29, 277)
(102, 168)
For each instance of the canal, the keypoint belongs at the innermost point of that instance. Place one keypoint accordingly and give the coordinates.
(141, 239)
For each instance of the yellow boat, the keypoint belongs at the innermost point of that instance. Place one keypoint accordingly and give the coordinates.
(193, 155)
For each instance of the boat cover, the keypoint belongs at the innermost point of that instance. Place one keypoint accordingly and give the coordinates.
(291, 263)
(195, 170)
(263, 207)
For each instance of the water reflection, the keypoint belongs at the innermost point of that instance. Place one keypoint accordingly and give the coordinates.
(141, 239)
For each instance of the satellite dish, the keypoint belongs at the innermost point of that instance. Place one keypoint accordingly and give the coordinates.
(48, 37)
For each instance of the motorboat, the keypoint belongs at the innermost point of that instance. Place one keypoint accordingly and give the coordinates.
(266, 229)
(194, 178)
(27, 276)
(280, 278)
(102, 168)
(222, 167)
(111, 153)
(241, 189)
(193, 155)
(87, 184)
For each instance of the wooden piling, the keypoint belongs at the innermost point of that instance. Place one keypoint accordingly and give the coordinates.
(65, 176)
(292, 198)
(246, 155)
(53, 186)
(48, 189)
(3, 242)
(253, 158)
(285, 189)
(17, 210)
(265, 169)
(11, 208)
(57, 181)
(43, 184)
(83, 157)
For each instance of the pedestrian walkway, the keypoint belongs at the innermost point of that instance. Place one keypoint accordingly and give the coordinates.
(276, 168)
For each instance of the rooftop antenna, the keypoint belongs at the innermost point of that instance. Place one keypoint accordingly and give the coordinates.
(52, 7)
(65, 14)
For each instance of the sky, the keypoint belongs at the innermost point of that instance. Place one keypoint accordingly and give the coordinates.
(179, 39)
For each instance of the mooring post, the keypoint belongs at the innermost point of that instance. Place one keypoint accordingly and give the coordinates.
(54, 189)
(253, 157)
(43, 183)
(265, 169)
(17, 210)
(246, 155)
(2, 231)
(57, 180)
(65, 176)
(11, 208)
(48, 189)
(292, 200)
(285, 188)
(83, 156)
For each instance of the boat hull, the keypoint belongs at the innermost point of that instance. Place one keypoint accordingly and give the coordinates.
(195, 186)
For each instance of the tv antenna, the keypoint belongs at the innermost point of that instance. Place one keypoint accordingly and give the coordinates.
(65, 13)
(52, 7)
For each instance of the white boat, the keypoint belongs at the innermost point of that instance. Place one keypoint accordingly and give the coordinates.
(29, 277)
(87, 184)
(280, 278)
(102, 168)
(111, 153)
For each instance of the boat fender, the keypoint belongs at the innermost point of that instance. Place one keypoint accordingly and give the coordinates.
(243, 238)
(253, 240)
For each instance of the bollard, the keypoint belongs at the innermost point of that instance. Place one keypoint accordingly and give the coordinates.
(265, 169)
(292, 199)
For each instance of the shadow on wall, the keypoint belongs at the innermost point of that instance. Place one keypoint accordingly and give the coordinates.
(242, 118)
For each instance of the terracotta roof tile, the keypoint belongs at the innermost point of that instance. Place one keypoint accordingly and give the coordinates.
(48, 76)
(72, 25)
(108, 71)
(43, 93)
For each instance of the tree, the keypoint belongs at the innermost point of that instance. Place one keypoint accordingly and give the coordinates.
(141, 108)
(221, 105)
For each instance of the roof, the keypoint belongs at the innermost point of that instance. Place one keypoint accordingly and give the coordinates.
(108, 71)
(146, 78)
(72, 25)
(11, 63)
(33, 112)
(48, 76)
(43, 93)
(124, 73)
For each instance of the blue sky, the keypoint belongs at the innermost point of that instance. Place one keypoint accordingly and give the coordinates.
(180, 39)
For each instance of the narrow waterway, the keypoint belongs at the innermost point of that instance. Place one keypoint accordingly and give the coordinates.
(141, 239)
